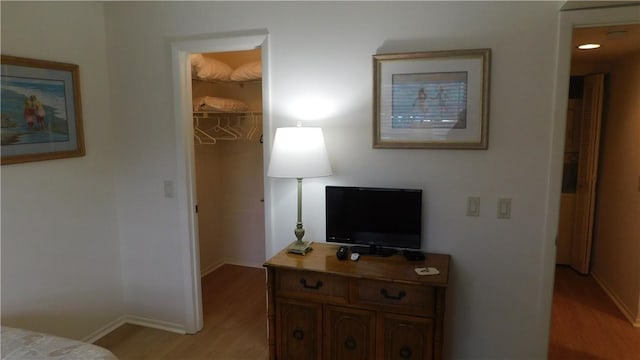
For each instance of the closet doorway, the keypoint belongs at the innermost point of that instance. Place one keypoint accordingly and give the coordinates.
(185, 181)
(228, 153)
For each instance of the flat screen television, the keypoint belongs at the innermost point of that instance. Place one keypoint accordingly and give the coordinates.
(378, 220)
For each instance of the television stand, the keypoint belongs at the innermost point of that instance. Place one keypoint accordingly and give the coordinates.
(373, 250)
(320, 307)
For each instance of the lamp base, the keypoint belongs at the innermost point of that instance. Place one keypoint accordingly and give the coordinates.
(300, 247)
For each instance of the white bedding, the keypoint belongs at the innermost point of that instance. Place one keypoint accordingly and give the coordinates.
(19, 344)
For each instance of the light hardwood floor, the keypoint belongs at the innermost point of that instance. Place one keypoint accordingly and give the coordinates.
(586, 324)
(235, 324)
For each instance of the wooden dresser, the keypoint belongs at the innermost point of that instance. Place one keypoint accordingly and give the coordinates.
(375, 308)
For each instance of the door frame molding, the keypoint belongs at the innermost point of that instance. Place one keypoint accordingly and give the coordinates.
(185, 186)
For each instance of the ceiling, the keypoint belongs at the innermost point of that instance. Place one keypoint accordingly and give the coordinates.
(581, 5)
(617, 41)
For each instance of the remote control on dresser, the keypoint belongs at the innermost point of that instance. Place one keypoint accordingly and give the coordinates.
(342, 253)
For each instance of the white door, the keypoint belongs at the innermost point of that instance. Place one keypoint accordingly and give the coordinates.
(587, 172)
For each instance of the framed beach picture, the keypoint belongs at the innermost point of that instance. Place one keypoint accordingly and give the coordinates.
(41, 110)
(432, 100)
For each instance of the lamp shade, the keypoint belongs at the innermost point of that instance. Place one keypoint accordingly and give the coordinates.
(299, 152)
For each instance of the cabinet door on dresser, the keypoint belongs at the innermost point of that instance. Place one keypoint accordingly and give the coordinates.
(349, 334)
(405, 337)
(299, 330)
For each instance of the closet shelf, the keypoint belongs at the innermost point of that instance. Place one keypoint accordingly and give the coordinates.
(217, 114)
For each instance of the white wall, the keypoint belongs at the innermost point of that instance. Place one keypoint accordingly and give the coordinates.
(60, 250)
(498, 304)
(230, 210)
(617, 233)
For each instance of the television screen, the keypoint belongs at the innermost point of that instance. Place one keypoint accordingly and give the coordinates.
(376, 217)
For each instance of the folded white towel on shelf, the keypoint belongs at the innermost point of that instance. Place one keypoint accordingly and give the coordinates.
(213, 103)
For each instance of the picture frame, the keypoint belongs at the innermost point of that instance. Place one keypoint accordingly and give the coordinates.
(432, 100)
(41, 110)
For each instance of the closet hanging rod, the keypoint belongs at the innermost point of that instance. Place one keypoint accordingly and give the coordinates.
(202, 114)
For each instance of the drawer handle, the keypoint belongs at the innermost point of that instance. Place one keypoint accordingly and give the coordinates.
(350, 343)
(386, 295)
(317, 286)
(405, 352)
(298, 334)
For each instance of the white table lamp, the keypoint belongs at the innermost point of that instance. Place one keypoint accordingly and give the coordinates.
(299, 152)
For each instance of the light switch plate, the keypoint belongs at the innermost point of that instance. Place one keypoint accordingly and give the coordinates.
(168, 188)
(473, 206)
(504, 208)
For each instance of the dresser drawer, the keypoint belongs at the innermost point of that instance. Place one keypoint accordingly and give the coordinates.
(311, 285)
(405, 298)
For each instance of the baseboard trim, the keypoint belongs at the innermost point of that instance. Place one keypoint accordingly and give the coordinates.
(103, 331)
(215, 267)
(244, 263)
(616, 300)
(134, 320)
(156, 324)
(210, 269)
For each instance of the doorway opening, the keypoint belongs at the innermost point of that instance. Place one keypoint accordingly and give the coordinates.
(227, 131)
(249, 124)
(593, 239)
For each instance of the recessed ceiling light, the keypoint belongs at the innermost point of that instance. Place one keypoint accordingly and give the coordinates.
(588, 46)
